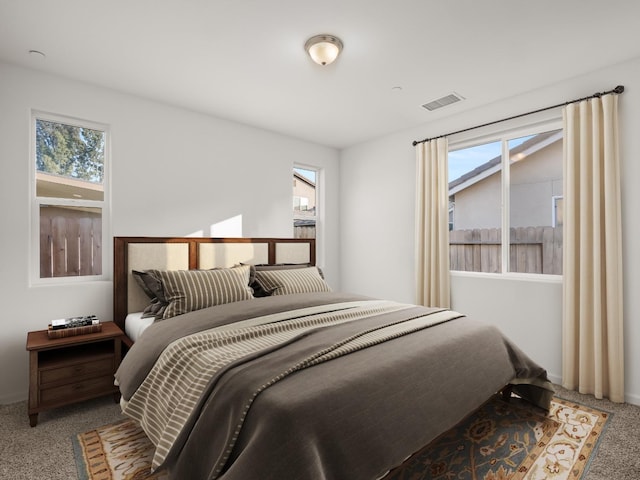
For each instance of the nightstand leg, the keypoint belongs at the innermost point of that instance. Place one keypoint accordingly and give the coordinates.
(33, 387)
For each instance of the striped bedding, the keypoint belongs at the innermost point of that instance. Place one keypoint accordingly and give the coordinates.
(223, 376)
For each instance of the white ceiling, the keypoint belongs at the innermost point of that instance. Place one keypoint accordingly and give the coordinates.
(243, 60)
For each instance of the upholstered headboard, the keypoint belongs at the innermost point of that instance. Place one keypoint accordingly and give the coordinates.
(187, 253)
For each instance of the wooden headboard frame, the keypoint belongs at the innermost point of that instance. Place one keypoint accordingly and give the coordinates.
(194, 245)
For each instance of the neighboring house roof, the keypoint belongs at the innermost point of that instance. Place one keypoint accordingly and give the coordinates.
(526, 148)
(59, 186)
(303, 179)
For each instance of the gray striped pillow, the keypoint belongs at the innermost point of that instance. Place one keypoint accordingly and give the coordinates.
(295, 280)
(188, 290)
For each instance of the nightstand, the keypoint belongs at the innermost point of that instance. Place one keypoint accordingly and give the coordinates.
(72, 369)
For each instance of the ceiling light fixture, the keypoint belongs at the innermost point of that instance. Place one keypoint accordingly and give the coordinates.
(323, 49)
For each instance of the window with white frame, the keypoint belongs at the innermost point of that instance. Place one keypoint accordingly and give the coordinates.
(505, 203)
(305, 195)
(70, 196)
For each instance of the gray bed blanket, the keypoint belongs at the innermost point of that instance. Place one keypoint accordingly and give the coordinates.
(353, 412)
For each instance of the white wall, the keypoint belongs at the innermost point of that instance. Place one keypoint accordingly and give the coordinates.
(174, 172)
(377, 224)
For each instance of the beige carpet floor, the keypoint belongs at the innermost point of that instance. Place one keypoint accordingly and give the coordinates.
(45, 452)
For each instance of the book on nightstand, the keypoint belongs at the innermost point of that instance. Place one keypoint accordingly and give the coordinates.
(69, 327)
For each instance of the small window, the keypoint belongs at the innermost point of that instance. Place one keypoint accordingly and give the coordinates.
(558, 211)
(70, 196)
(304, 202)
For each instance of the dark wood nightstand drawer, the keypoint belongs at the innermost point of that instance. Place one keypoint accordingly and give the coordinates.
(72, 369)
(88, 387)
(71, 373)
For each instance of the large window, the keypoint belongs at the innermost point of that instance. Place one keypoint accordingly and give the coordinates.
(69, 196)
(305, 194)
(505, 205)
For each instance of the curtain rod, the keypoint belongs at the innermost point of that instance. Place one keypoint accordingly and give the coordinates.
(618, 90)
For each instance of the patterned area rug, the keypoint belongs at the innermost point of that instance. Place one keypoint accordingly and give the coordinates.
(119, 451)
(499, 441)
(514, 441)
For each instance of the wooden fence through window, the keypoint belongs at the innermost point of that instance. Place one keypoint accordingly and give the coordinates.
(70, 242)
(304, 231)
(532, 250)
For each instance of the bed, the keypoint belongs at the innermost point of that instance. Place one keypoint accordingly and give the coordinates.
(279, 377)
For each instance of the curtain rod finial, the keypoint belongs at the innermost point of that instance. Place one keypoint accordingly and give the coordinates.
(619, 89)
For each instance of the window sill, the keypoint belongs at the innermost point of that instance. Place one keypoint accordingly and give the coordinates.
(521, 277)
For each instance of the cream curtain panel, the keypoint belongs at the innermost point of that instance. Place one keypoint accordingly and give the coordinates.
(432, 224)
(592, 307)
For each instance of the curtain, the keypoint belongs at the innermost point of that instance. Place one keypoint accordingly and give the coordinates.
(432, 224)
(592, 289)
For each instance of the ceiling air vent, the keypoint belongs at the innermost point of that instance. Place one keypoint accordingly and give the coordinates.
(443, 102)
